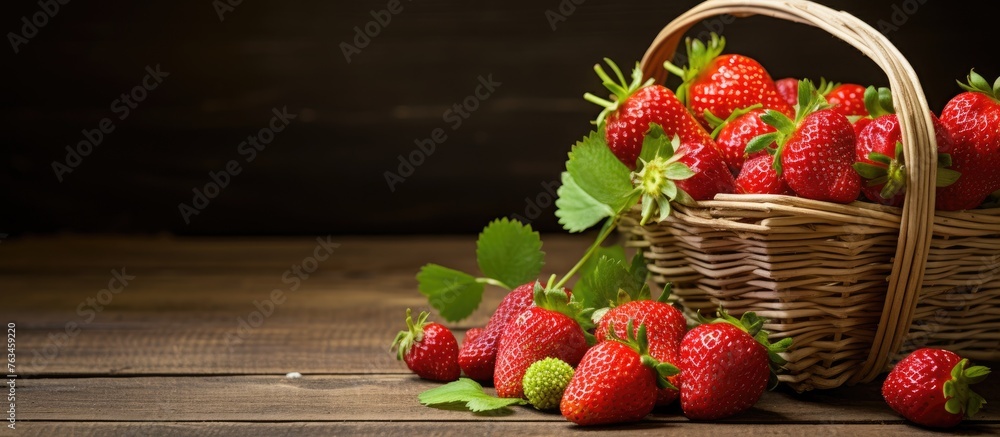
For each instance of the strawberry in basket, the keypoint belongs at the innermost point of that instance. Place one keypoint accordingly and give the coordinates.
(721, 84)
(972, 119)
(638, 105)
(880, 158)
(813, 153)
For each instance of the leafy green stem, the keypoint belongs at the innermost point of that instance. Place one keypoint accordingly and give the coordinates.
(609, 227)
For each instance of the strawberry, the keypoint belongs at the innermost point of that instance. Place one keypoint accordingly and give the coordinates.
(972, 118)
(471, 335)
(721, 84)
(814, 152)
(878, 102)
(788, 89)
(880, 160)
(847, 99)
(551, 328)
(930, 387)
(478, 355)
(725, 366)
(665, 327)
(759, 177)
(545, 381)
(733, 134)
(429, 349)
(616, 381)
(639, 105)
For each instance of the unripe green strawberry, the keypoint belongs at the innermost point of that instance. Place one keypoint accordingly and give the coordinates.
(545, 381)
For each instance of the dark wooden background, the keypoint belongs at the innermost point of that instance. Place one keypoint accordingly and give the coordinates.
(325, 172)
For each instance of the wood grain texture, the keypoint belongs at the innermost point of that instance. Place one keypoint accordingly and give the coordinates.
(310, 429)
(377, 398)
(155, 361)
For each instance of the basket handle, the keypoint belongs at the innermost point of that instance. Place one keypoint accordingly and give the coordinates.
(919, 146)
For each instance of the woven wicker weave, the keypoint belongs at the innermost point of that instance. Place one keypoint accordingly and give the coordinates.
(856, 285)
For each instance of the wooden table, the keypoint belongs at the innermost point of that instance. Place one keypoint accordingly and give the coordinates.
(185, 348)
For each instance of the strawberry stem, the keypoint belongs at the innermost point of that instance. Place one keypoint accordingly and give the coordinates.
(494, 282)
(961, 399)
(413, 334)
(700, 55)
(606, 231)
(621, 89)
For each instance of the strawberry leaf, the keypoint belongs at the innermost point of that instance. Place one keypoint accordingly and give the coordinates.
(599, 173)
(577, 210)
(453, 293)
(603, 284)
(468, 392)
(510, 252)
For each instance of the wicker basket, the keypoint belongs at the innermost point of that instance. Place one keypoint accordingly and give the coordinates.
(856, 285)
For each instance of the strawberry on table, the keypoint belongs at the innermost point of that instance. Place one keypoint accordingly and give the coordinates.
(429, 349)
(814, 152)
(553, 327)
(616, 381)
(725, 366)
(470, 336)
(973, 120)
(665, 327)
(478, 355)
(930, 387)
(880, 160)
(722, 84)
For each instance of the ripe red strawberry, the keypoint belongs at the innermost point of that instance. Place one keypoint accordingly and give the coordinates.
(550, 329)
(931, 387)
(847, 99)
(627, 120)
(759, 177)
(721, 84)
(881, 163)
(478, 355)
(814, 152)
(725, 366)
(616, 381)
(788, 89)
(878, 102)
(429, 349)
(733, 134)
(665, 327)
(972, 119)
(470, 336)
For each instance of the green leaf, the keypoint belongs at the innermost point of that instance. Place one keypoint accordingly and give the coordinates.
(780, 121)
(577, 210)
(869, 171)
(510, 252)
(468, 392)
(678, 171)
(946, 177)
(453, 293)
(599, 286)
(599, 173)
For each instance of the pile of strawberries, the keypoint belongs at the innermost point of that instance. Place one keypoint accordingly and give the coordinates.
(742, 132)
(640, 355)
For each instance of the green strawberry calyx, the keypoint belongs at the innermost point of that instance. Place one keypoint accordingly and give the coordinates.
(545, 381)
(752, 324)
(699, 55)
(639, 342)
(660, 169)
(891, 171)
(621, 89)
(810, 101)
(413, 334)
(878, 102)
(978, 84)
(961, 399)
(555, 299)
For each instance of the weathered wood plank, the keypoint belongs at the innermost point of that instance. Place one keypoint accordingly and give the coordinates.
(374, 398)
(309, 429)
